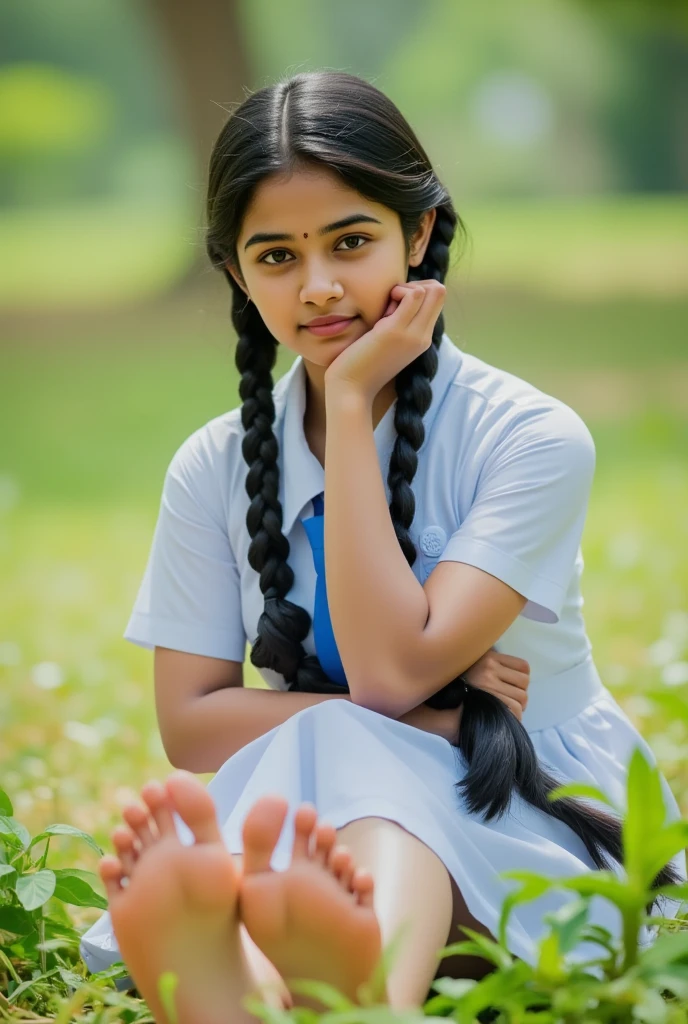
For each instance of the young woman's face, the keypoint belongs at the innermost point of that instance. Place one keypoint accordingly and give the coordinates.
(348, 270)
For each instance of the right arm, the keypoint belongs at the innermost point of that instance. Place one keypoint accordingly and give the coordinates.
(205, 714)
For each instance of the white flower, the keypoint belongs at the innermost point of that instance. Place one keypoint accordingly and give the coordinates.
(48, 675)
(81, 733)
(675, 674)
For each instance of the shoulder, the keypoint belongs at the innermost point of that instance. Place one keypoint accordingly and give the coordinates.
(501, 412)
(210, 448)
(210, 461)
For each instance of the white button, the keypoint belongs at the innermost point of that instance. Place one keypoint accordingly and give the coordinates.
(432, 541)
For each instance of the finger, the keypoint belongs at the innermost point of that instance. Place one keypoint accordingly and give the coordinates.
(514, 706)
(513, 693)
(435, 294)
(510, 675)
(411, 299)
(512, 662)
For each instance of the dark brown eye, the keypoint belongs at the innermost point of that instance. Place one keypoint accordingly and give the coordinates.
(279, 263)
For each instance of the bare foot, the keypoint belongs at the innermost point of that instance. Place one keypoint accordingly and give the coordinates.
(316, 919)
(177, 910)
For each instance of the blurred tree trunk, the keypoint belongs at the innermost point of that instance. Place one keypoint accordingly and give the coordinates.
(209, 60)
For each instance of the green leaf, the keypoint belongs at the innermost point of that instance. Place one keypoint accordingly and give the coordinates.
(644, 818)
(15, 920)
(677, 892)
(70, 978)
(14, 831)
(581, 789)
(569, 923)
(328, 995)
(68, 830)
(489, 949)
(606, 884)
(550, 965)
(6, 869)
(74, 886)
(453, 988)
(31, 981)
(271, 1015)
(651, 1008)
(675, 978)
(661, 847)
(35, 889)
(5, 804)
(533, 886)
(666, 948)
(167, 984)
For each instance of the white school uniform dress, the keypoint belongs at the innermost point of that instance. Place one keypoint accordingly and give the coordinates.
(503, 482)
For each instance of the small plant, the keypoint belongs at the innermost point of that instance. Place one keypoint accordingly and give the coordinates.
(619, 982)
(39, 945)
(622, 983)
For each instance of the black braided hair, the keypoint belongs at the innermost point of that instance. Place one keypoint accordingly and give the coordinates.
(342, 124)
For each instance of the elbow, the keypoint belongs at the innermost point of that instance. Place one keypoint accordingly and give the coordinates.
(179, 751)
(175, 752)
(388, 698)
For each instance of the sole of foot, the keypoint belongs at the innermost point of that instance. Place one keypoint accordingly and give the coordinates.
(315, 920)
(175, 907)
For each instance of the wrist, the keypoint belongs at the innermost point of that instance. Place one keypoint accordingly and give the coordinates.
(344, 395)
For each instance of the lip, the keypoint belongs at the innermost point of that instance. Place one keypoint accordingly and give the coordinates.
(331, 318)
(331, 327)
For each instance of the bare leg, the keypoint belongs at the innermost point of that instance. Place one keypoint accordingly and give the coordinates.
(412, 888)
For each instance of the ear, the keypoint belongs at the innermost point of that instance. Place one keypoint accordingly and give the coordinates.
(237, 276)
(419, 242)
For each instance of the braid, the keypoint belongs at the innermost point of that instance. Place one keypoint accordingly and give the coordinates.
(283, 625)
(332, 120)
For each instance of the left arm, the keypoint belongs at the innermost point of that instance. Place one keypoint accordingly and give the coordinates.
(399, 642)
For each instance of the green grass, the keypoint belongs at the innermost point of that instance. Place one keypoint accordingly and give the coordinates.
(90, 418)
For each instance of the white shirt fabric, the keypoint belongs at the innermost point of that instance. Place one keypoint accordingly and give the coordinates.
(503, 482)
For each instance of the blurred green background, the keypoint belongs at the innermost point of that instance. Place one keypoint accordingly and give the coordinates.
(560, 131)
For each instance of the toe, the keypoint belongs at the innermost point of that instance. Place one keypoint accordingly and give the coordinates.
(341, 864)
(304, 822)
(325, 840)
(261, 831)
(138, 820)
(158, 803)
(125, 847)
(194, 804)
(363, 885)
(110, 871)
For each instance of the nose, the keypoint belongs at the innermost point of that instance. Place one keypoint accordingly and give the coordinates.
(318, 288)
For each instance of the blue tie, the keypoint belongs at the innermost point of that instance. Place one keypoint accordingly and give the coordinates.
(325, 643)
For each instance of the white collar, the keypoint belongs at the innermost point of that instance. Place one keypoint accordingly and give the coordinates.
(301, 475)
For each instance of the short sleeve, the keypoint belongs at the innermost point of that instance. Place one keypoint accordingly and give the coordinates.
(526, 521)
(190, 596)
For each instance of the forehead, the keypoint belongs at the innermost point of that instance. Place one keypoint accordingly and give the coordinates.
(305, 201)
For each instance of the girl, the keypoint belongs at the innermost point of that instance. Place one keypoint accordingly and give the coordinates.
(454, 496)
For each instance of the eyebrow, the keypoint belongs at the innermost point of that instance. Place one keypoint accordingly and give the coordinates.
(355, 218)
